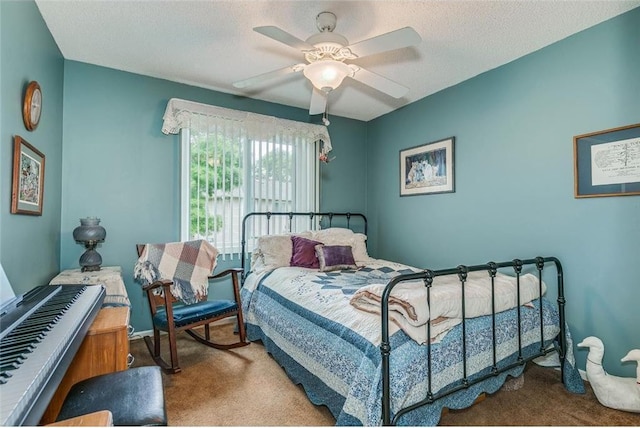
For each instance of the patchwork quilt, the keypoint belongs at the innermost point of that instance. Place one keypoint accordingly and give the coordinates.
(305, 320)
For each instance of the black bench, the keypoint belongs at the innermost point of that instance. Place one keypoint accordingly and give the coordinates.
(135, 397)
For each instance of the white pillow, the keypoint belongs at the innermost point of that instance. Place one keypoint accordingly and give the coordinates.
(275, 250)
(342, 236)
(257, 261)
(335, 231)
(359, 249)
(334, 236)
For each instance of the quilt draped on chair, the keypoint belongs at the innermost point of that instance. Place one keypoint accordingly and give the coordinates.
(187, 264)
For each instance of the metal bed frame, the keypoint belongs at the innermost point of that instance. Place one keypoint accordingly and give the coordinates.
(427, 276)
(317, 219)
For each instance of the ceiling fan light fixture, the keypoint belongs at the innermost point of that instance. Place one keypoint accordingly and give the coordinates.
(333, 40)
(327, 75)
(325, 54)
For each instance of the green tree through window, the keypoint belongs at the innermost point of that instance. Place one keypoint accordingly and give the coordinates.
(216, 169)
(275, 165)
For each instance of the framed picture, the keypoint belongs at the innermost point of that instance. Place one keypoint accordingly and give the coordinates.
(428, 168)
(607, 163)
(28, 178)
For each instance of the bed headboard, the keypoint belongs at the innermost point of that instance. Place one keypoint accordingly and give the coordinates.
(267, 223)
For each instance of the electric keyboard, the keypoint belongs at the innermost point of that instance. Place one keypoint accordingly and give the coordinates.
(40, 332)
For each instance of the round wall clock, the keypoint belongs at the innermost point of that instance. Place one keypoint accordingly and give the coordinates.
(32, 107)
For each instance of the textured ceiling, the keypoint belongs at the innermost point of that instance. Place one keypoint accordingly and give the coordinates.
(211, 44)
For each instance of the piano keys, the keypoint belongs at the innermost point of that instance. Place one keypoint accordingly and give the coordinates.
(39, 335)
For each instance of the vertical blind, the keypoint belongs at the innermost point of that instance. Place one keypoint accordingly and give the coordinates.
(235, 162)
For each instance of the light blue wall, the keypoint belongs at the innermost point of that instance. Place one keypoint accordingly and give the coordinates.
(118, 166)
(514, 129)
(343, 180)
(30, 245)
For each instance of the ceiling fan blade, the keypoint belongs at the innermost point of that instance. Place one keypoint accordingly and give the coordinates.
(397, 39)
(267, 76)
(318, 101)
(283, 37)
(380, 83)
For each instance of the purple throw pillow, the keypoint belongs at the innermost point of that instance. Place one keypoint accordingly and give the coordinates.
(304, 252)
(335, 257)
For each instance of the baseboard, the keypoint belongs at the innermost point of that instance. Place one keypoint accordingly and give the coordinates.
(140, 334)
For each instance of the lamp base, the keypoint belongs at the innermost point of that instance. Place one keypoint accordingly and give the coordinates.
(90, 261)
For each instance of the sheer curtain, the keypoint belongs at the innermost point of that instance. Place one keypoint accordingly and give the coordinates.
(235, 162)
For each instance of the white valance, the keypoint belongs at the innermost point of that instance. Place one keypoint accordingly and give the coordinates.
(179, 114)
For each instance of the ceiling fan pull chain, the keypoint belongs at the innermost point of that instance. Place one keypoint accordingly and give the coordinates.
(325, 115)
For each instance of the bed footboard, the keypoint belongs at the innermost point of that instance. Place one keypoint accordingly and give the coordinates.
(462, 271)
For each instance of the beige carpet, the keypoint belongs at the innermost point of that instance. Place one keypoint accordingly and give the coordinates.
(239, 387)
(246, 387)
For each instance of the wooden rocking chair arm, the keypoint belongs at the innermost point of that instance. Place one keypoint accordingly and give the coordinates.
(226, 272)
(156, 284)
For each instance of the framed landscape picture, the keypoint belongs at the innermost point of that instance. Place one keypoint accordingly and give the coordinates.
(607, 163)
(28, 178)
(428, 168)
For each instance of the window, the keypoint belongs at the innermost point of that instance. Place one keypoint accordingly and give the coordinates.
(235, 162)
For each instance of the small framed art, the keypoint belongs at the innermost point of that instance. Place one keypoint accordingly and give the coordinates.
(428, 168)
(28, 178)
(607, 163)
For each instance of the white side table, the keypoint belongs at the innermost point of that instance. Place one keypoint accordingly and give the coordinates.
(110, 277)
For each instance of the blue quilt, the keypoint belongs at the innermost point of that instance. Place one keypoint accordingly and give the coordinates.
(304, 319)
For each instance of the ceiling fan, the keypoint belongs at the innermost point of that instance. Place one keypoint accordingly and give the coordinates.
(326, 53)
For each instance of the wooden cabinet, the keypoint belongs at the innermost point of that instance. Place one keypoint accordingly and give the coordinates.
(105, 349)
(103, 418)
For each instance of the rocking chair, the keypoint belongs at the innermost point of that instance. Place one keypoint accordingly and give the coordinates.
(172, 316)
